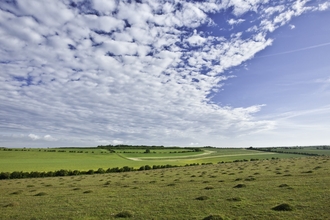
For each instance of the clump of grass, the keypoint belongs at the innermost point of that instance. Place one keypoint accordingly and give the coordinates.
(202, 198)
(30, 186)
(171, 184)
(283, 207)
(283, 185)
(88, 191)
(124, 214)
(250, 178)
(310, 171)
(238, 179)
(77, 188)
(241, 185)
(16, 192)
(235, 199)
(41, 194)
(213, 217)
(209, 187)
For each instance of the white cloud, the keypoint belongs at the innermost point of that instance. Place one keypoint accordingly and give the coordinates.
(324, 6)
(127, 72)
(234, 22)
(292, 26)
(34, 137)
(49, 138)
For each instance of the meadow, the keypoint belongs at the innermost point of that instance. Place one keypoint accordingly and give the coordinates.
(43, 160)
(292, 188)
(214, 183)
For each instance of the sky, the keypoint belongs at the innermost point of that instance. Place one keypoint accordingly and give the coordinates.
(229, 73)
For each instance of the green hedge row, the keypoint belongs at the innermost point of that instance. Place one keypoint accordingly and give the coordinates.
(62, 172)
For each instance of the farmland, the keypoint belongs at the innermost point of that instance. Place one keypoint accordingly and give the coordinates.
(231, 184)
(94, 158)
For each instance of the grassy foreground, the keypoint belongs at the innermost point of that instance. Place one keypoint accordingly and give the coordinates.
(241, 190)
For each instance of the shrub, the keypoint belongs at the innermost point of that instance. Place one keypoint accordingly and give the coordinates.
(4, 175)
(100, 170)
(283, 207)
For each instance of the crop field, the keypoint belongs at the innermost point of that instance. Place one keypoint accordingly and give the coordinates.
(291, 188)
(28, 160)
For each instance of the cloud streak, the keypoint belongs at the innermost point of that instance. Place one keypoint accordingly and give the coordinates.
(297, 50)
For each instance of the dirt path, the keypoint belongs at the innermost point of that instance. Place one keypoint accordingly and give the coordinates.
(193, 157)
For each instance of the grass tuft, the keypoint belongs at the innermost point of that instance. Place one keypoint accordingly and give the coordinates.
(209, 187)
(283, 207)
(41, 194)
(124, 214)
(16, 192)
(240, 186)
(213, 217)
(234, 199)
(202, 198)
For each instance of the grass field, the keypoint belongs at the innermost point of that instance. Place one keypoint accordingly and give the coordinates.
(28, 160)
(240, 190)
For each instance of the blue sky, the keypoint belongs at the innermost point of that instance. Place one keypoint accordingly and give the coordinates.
(234, 73)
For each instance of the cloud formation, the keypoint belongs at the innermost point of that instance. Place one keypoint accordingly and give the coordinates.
(83, 72)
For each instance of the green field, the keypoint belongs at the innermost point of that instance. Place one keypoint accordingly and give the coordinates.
(28, 160)
(240, 190)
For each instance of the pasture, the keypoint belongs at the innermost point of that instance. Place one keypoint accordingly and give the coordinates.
(293, 188)
(43, 160)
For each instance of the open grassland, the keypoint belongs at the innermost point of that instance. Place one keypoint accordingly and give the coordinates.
(319, 150)
(40, 160)
(240, 190)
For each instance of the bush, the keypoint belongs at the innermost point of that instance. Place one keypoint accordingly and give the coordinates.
(100, 170)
